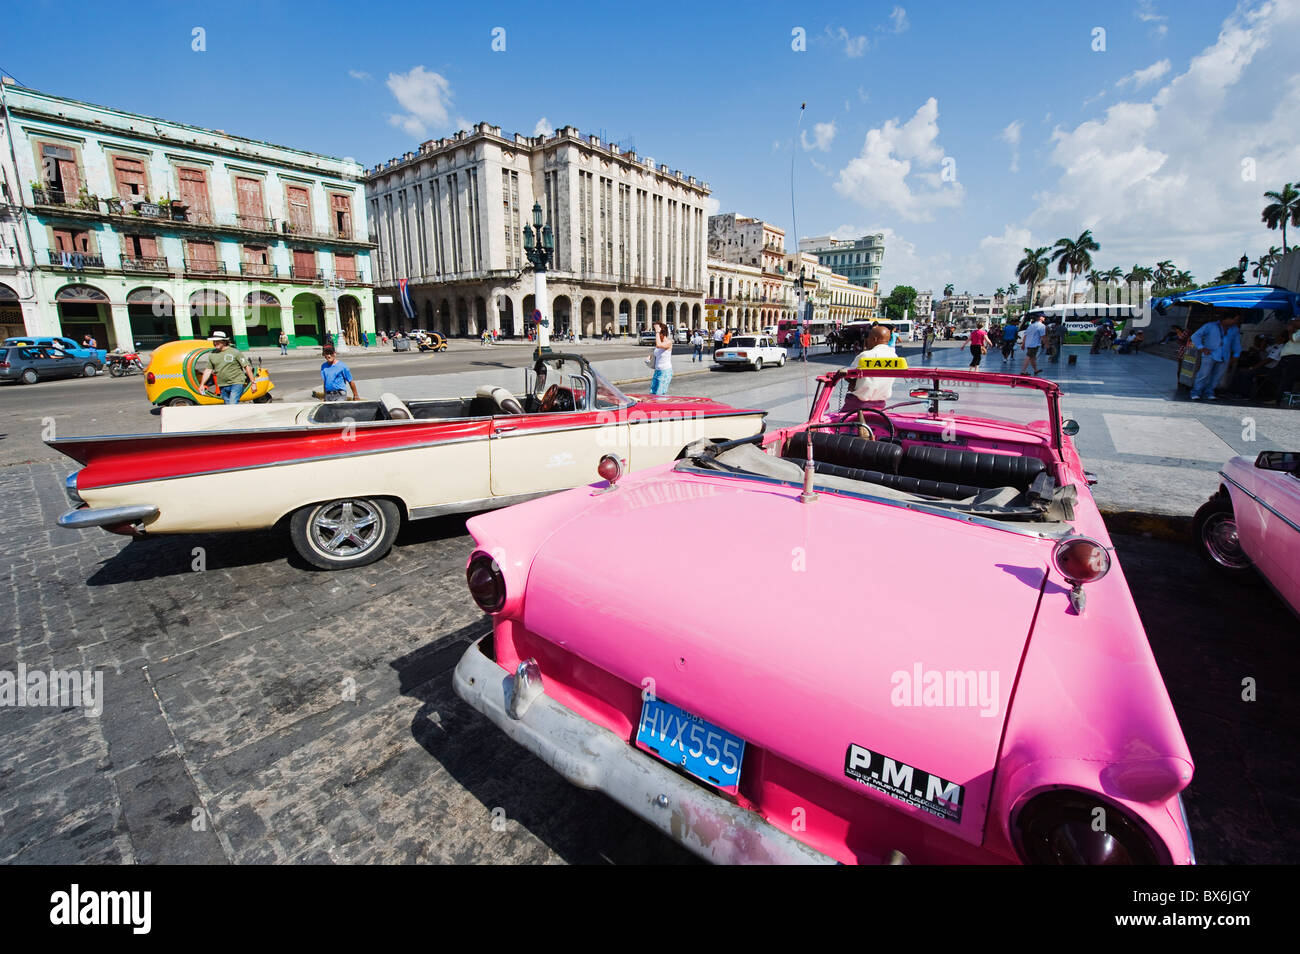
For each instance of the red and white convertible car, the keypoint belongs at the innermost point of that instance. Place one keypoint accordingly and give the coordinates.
(905, 667)
(343, 475)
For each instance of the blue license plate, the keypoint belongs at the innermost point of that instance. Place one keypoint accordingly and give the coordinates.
(711, 754)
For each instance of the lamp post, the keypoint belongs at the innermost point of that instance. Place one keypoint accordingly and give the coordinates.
(1243, 263)
(539, 246)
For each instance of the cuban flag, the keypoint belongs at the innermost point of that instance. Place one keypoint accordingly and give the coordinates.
(405, 294)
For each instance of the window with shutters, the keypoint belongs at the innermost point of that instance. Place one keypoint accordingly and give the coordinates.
(341, 214)
(252, 210)
(201, 256)
(71, 240)
(59, 175)
(304, 264)
(256, 261)
(194, 194)
(299, 201)
(345, 266)
(140, 253)
(130, 178)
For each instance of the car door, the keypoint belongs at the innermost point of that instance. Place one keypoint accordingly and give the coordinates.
(545, 451)
(60, 364)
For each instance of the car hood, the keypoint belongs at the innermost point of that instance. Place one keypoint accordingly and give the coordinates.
(803, 628)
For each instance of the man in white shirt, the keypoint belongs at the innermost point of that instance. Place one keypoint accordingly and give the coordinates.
(1033, 341)
(867, 391)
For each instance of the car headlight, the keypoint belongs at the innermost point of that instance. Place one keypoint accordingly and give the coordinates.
(70, 488)
(1066, 827)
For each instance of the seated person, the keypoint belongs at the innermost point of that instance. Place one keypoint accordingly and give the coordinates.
(871, 392)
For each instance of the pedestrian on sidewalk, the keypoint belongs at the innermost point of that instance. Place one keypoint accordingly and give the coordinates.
(365, 339)
(284, 343)
(1219, 343)
(1010, 332)
(231, 369)
(927, 342)
(1033, 341)
(697, 342)
(1055, 340)
(334, 375)
(979, 344)
(662, 360)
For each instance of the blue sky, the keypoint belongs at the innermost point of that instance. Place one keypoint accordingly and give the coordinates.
(963, 131)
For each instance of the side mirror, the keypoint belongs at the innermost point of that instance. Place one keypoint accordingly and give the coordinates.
(1070, 427)
(1288, 462)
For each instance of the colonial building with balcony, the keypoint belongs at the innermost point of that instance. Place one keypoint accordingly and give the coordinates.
(448, 218)
(741, 298)
(146, 230)
(859, 260)
(743, 240)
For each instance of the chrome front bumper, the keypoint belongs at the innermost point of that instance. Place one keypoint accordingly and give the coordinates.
(86, 517)
(592, 757)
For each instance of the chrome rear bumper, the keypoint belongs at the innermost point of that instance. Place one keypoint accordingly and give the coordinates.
(592, 757)
(86, 517)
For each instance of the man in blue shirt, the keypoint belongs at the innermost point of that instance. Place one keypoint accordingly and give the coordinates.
(335, 374)
(1219, 343)
(1033, 341)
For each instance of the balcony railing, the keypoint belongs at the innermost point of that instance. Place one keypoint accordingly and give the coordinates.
(76, 261)
(155, 264)
(255, 222)
(303, 274)
(258, 269)
(205, 266)
(47, 195)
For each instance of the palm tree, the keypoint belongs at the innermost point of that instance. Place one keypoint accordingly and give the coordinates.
(947, 290)
(1095, 279)
(1012, 290)
(1229, 276)
(1139, 274)
(1001, 292)
(1285, 206)
(1183, 279)
(1074, 257)
(1164, 273)
(1111, 276)
(1032, 269)
(1263, 265)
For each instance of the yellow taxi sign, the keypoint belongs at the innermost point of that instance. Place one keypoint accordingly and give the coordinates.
(882, 364)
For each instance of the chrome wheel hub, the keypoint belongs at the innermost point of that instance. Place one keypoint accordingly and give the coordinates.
(1220, 538)
(346, 528)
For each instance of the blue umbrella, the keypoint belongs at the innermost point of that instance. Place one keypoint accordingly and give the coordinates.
(1260, 297)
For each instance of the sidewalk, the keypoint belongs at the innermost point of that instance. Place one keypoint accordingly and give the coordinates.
(1153, 450)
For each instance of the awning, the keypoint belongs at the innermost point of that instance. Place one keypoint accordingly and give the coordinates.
(1261, 297)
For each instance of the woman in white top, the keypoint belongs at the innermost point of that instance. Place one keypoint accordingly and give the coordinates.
(663, 360)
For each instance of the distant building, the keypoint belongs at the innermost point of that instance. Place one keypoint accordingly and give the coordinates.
(859, 260)
(924, 305)
(630, 235)
(146, 230)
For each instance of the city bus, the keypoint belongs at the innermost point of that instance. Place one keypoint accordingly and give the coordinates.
(1081, 319)
(818, 329)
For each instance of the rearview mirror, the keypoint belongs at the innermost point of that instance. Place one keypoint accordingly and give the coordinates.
(933, 394)
(1288, 462)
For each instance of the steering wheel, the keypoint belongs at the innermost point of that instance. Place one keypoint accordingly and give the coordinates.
(557, 398)
(893, 432)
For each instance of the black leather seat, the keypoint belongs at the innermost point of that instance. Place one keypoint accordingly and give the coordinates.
(912, 485)
(845, 450)
(969, 467)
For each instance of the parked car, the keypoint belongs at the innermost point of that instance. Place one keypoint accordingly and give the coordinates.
(175, 371)
(343, 475)
(751, 351)
(67, 345)
(1252, 523)
(31, 363)
(646, 337)
(835, 710)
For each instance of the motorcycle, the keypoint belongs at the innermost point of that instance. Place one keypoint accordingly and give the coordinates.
(121, 363)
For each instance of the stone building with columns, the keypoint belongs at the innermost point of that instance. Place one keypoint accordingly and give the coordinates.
(135, 229)
(448, 218)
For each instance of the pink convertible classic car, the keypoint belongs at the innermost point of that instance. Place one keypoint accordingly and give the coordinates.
(911, 643)
(1253, 522)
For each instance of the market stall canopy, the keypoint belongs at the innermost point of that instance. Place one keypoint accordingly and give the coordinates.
(1259, 297)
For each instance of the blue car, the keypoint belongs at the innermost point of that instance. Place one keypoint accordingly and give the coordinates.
(67, 345)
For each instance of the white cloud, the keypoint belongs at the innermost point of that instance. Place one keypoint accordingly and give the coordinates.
(863, 94)
(711, 207)
(1140, 78)
(543, 128)
(883, 175)
(1011, 136)
(1147, 13)
(823, 136)
(898, 18)
(854, 46)
(1130, 175)
(360, 75)
(463, 123)
(424, 95)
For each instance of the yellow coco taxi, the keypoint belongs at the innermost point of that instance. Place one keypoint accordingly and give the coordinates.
(175, 369)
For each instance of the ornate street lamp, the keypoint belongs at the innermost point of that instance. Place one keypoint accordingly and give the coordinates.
(539, 246)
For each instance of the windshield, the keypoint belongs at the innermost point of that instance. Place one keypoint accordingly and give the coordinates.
(574, 374)
(975, 399)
